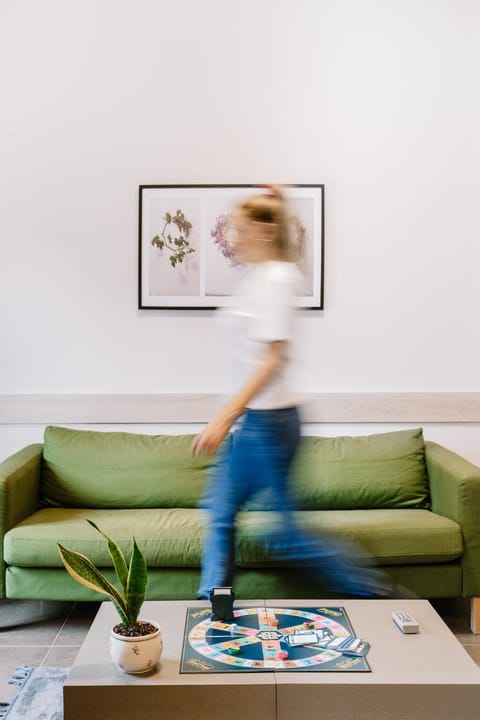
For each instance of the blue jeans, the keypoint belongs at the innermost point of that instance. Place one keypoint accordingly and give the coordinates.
(256, 461)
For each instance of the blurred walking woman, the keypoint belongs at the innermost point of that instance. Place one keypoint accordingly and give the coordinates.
(258, 456)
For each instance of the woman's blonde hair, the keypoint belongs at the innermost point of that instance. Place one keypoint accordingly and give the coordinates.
(271, 209)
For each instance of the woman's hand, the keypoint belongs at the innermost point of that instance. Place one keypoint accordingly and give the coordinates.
(211, 437)
(277, 190)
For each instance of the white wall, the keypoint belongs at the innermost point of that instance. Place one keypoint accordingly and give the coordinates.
(379, 100)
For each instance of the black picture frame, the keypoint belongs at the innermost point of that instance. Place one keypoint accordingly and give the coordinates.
(185, 259)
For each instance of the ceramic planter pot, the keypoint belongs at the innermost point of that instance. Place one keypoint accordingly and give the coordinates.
(136, 654)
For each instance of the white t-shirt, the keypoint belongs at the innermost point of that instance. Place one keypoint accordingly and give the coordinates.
(264, 312)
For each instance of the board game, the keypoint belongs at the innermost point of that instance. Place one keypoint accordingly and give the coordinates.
(265, 639)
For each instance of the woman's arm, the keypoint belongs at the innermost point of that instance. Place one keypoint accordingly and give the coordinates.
(211, 437)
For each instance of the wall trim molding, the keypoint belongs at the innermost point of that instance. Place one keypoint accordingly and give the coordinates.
(435, 407)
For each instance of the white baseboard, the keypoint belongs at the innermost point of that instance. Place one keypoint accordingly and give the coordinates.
(441, 407)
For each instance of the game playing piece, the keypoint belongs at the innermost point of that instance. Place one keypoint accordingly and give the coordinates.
(233, 650)
(282, 654)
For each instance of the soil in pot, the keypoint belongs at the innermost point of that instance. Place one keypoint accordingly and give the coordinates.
(137, 630)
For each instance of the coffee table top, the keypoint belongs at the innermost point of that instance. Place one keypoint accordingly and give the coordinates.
(433, 656)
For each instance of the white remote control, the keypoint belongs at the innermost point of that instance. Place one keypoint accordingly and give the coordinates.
(405, 622)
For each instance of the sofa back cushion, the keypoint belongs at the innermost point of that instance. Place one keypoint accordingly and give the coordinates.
(377, 471)
(84, 468)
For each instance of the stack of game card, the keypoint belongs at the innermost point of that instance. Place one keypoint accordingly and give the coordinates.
(324, 638)
(347, 645)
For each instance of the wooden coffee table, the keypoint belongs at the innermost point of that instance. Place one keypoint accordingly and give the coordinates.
(428, 676)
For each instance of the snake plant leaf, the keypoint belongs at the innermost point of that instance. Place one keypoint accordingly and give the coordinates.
(136, 583)
(119, 562)
(84, 571)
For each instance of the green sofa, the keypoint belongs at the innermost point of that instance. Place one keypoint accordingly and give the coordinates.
(412, 505)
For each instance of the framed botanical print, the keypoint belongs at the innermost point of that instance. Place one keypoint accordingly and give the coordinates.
(187, 254)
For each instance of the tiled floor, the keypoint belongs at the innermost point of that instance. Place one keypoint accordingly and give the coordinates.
(56, 642)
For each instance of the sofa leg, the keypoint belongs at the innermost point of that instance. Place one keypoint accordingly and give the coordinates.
(475, 615)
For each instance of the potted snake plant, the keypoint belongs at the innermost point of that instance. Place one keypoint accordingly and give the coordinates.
(135, 645)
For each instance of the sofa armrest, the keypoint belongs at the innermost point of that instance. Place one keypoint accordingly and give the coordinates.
(19, 492)
(455, 493)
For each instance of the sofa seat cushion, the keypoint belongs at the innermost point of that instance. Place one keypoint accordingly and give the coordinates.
(167, 537)
(386, 470)
(173, 537)
(389, 537)
(85, 468)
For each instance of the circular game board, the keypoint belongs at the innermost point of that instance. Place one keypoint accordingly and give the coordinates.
(257, 636)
